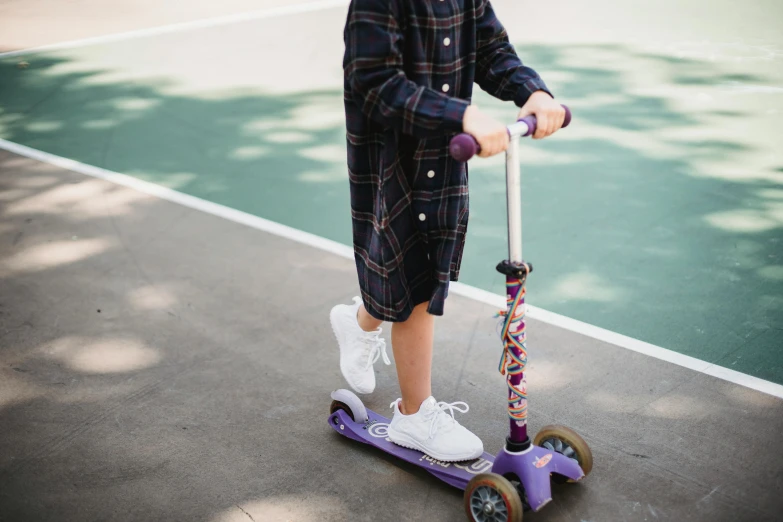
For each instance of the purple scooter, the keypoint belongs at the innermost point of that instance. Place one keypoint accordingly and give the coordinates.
(497, 488)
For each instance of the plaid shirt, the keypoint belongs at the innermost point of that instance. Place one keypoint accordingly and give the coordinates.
(409, 71)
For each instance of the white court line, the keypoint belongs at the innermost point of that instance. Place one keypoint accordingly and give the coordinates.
(184, 26)
(339, 249)
(626, 342)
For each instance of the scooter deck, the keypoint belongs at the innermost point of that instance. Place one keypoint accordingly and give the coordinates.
(374, 432)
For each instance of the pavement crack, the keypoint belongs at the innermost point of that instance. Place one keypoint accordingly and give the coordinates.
(708, 495)
(246, 513)
(465, 356)
(106, 147)
(26, 324)
(46, 97)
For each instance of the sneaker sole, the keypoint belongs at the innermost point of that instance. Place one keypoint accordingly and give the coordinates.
(407, 442)
(338, 336)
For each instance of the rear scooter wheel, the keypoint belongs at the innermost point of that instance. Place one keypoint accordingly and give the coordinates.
(568, 443)
(337, 405)
(347, 401)
(490, 497)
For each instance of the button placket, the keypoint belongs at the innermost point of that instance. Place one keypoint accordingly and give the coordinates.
(446, 43)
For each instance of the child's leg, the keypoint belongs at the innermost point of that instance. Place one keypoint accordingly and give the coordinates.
(419, 422)
(367, 322)
(412, 344)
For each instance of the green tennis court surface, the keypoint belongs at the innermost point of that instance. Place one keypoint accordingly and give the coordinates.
(659, 215)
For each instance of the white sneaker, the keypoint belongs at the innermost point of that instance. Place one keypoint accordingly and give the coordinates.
(433, 431)
(358, 349)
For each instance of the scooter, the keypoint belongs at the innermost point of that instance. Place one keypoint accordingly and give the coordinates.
(497, 488)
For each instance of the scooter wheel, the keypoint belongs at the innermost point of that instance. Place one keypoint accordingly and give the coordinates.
(337, 405)
(490, 497)
(568, 443)
(347, 401)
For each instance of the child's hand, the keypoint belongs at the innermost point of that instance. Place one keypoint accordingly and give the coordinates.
(549, 114)
(491, 135)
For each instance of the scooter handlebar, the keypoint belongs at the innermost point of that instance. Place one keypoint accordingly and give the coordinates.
(464, 146)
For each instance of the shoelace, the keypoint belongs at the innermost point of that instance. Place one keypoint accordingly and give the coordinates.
(442, 408)
(376, 348)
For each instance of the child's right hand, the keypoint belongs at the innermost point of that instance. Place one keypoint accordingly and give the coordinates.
(491, 135)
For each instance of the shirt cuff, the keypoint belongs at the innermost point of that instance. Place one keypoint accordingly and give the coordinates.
(453, 115)
(528, 88)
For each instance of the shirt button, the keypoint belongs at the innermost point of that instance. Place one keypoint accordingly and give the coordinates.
(422, 217)
(445, 87)
(431, 174)
(446, 41)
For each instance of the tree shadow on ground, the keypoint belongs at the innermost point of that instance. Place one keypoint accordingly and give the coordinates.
(143, 410)
(647, 218)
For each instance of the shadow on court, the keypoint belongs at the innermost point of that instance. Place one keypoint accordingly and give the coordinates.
(635, 224)
(159, 363)
(641, 224)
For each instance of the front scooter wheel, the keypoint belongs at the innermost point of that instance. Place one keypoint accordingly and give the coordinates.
(568, 443)
(490, 497)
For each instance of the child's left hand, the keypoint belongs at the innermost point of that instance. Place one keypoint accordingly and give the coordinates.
(548, 112)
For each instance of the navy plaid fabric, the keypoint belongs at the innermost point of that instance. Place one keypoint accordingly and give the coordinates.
(409, 70)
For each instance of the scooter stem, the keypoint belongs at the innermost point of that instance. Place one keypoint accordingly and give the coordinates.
(463, 147)
(514, 201)
(515, 270)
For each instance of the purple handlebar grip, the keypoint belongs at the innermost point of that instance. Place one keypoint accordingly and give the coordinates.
(464, 146)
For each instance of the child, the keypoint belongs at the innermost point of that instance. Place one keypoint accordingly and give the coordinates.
(409, 70)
